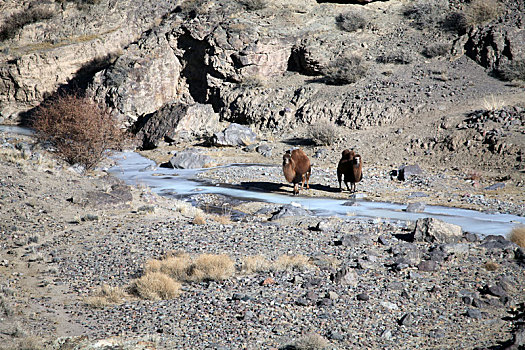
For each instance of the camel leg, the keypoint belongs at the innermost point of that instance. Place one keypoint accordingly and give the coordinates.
(308, 180)
(339, 176)
(295, 189)
(348, 187)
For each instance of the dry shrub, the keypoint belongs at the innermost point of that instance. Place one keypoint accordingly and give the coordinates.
(255, 264)
(81, 131)
(175, 266)
(311, 341)
(517, 235)
(426, 13)
(323, 134)
(344, 70)
(13, 24)
(105, 296)
(436, 49)
(254, 5)
(156, 286)
(473, 175)
(198, 219)
(290, 262)
(398, 56)
(481, 11)
(513, 70)
(211, 267)
(351, 21)
(30, 343)
(491, 266)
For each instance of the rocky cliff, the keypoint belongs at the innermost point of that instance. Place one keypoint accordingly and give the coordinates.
(270, 63)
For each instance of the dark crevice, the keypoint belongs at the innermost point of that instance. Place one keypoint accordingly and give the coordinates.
(195, 71)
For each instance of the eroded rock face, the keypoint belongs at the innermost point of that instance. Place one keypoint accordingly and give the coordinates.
(68, 48)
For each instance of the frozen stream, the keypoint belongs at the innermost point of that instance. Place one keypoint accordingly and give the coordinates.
(180, 183)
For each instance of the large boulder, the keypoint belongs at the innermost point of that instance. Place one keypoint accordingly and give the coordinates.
(436, 231)
(177, 121)
(234, 135)
(190, 159)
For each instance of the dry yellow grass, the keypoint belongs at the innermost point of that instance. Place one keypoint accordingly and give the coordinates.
(105, 296)
(254, 264)
(221, 219)
(156, 286)
(198, 220)
(517, 235)
(176, 266)
(290, 262)
(211, 267)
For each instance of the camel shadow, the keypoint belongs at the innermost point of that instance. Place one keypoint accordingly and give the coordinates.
(324, 188)
(283, 188)
(264, 186)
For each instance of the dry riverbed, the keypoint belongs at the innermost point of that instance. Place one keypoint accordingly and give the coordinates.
(335, 283)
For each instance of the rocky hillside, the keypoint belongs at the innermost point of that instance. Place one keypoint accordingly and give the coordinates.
(279, 66)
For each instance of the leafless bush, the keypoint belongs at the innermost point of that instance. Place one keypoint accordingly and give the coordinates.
(254, 5)
(17, 21)
(435, 50)
(351, 21)
(323, 134)
(397, 57)
(426, 13)
(513, 70)
(455, 22)
(481, 11)
(344, 70)
(81, 131)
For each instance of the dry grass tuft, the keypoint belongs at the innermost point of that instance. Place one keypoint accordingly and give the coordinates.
(156, 286)
(211, 267)
(290, 262)
(517, 235)
(491, 266)
(492, 103)
(176, 266)
(198, 219)
(311, 341)
(255, 264)
(221, 219)
(105, 296)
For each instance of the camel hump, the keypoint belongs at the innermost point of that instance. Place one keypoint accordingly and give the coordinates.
(302, 162)
(347, 154)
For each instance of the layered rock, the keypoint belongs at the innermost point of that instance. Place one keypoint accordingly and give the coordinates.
(68, 48)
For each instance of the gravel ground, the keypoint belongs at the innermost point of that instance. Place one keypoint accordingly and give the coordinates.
(364, 285)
